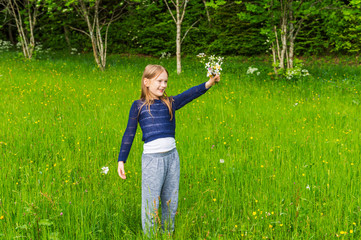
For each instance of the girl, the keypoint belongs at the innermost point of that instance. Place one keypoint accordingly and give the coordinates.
(155, 112)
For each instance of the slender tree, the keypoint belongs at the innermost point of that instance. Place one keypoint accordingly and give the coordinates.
(98, 17)
(282, 21)
(180, 10)
(180, 7)
(24, 13)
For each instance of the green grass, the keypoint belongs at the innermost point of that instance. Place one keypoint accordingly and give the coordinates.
(291, 151)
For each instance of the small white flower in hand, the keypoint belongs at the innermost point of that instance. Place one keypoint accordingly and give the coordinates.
(213, 66)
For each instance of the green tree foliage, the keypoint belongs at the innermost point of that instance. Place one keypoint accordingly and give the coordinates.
(233, 36)
(312, 39)
(344, 28)
(147, 28)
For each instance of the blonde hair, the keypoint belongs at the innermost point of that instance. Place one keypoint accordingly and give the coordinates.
(152, 71)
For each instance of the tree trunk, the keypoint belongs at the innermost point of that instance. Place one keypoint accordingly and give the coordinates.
(178, 40)
(205, 6)
(274, 59)
(284, 41)
(291, 38)
(178, 19)
(66, 35)
(11, 37)
(291, 53)
(178, 52)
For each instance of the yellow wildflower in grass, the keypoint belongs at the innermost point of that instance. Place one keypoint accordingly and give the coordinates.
(254, 213)
(270, 226)
(2, 217)
(214, 199)
(351, 231)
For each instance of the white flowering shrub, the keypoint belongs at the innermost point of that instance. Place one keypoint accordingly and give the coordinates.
(73, 51)
(165, 55)
(251, 70)
(296, 72)
(18, 45)
(5, 46)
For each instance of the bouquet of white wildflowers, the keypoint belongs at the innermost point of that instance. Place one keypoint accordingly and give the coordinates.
(213, 66)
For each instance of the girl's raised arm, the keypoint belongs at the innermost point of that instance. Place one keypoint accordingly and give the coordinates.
(187, 96)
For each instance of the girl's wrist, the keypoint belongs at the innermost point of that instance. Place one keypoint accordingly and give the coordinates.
(209, 83)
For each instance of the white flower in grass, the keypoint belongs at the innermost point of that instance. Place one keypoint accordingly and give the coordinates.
(308, 187)
(105, 170)
(251, 70)
(221, 160)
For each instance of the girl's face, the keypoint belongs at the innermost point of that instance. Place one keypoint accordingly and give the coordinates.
(157, 85)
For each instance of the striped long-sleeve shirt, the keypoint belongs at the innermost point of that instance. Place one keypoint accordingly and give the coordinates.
(155, 124)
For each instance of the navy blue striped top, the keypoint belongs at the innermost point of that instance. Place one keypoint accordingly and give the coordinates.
(157, 124)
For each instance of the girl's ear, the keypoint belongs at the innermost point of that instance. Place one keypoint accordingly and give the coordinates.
(146, 82)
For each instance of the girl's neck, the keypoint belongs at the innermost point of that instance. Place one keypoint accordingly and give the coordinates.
(152, 98)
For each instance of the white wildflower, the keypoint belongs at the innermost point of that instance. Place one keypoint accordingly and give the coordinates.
(105, 170)
(251, 70)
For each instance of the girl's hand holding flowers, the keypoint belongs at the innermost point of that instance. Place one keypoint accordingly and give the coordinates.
(212, 80)
(214, 68)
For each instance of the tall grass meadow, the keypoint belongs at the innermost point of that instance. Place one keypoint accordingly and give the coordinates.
(260, 158)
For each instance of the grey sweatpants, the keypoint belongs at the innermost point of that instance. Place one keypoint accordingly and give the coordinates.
(160, 181)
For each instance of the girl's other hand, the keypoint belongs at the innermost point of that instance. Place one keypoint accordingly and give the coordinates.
(121, 171)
